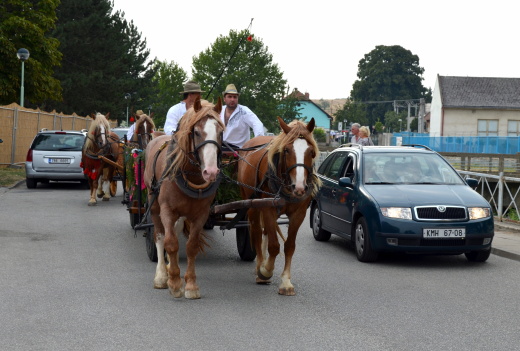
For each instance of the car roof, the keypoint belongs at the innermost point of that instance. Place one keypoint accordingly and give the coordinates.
(379, 149)
(60, 131)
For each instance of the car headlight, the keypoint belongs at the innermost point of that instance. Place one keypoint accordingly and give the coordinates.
(397, 212)
(478, 212)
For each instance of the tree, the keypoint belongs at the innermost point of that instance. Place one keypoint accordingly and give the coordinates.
(392, 123)
(248, 65)
(352, 113)
(388, 73)
(169, 79)
(104, 58)
(26, 24)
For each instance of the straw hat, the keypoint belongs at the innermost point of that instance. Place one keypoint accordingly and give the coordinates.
(230, 89)
(139, 113)
(191, 87)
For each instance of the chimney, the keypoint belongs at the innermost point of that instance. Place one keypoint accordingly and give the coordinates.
(307, 96)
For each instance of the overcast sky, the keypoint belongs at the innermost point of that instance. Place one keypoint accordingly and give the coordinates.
(318, 44)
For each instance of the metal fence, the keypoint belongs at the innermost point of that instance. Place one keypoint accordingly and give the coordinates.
(19, 125)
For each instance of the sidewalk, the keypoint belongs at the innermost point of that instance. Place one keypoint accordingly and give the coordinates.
(506, 242)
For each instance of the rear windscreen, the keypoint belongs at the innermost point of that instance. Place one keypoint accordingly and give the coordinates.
(58, 142)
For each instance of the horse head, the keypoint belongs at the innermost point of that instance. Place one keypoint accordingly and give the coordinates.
(97, 136)
(144, 128)
(292, 155)
(200, 131)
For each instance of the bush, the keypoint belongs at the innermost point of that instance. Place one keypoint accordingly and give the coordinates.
(319, 135)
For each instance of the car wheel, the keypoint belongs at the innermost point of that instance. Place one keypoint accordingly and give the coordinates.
(478, 256)
(31, 183)
(85, 184)
(363, 245)
(318, 233)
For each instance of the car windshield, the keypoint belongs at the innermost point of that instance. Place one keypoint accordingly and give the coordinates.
(120, 132)
(408, 168)
(58, 142)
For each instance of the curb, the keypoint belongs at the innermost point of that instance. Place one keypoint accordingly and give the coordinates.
(505, 254)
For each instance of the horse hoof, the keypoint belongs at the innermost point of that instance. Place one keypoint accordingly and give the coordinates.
(264, 274)
(286, 291)
(160, 285)
(262, 281)
(106, 198)
(92, 203)
(99, 196)
(192, 294)
(177, 293)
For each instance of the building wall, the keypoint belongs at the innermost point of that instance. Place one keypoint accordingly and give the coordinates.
(436, 111)
(464, 122)
(309, 110)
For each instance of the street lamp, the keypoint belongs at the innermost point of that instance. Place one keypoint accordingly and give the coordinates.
(23, 55)
(149, 109)
(128, 96)
(400, 124)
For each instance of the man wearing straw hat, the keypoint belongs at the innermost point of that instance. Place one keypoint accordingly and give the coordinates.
(131, 130)
(238, 119)
(175, 113)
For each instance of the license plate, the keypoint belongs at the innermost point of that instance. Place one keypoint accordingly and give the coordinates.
(444, 233)
(59, 160)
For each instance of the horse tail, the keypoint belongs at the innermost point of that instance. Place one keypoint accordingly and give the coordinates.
(278, 229)
(203, 237)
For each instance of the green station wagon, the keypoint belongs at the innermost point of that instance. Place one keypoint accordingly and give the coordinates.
(400, 199)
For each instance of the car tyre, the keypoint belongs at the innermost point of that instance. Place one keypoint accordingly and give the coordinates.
(31, 183)
(478, 256)
(85, 184)
(317, 231)
(363, 243)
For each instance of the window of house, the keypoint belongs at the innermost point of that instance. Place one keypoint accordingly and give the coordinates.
(488, 127)
(513, 128)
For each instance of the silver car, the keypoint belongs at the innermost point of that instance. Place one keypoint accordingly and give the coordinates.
(55, 155)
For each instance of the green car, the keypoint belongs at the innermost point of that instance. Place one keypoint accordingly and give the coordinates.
(400, 199)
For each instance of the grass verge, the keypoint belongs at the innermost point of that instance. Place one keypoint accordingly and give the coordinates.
(11, 176)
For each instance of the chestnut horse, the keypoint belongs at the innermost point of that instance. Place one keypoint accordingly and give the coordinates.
(100, 141)
(284, 168)
(144, 131)
(184, 170)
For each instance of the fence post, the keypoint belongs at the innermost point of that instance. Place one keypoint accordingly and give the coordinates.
(500, 195)
(15, 127)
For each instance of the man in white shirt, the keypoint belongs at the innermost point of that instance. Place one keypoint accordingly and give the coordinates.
(355, 131)
(239, 119)
(175, 113)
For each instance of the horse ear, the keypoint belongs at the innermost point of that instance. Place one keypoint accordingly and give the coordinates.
(311, 125)
(218, 106)
(284, 125)
(152, 114)
(107, 115)
(93, 115)
(197, 105)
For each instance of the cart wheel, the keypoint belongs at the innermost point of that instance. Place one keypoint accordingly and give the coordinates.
(245, 250)
(135, 219)
(151, 249)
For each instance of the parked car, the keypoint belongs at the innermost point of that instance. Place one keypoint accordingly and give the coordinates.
(400, 199)
(120, 131)
(55, 155)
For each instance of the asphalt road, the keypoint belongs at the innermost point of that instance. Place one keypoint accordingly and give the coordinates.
(74, 277)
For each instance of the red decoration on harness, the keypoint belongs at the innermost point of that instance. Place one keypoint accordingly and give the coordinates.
(132, 119)
(250, 38)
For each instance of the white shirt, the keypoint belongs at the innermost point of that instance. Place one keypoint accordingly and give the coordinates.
(130, 132)
(237, 130)
(173, 117)
(355, 139)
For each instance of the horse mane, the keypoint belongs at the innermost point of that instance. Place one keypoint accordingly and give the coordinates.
(142, 120)
(179, 153)
(298, 130)
(98, 121)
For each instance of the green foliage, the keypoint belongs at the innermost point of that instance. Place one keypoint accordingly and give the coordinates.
(352, 113)
(104, 58)
(26, 24)
(379, 126)
(392, 124)
(319, 134)
(414, 124)
(131, 160)
(388, 73)
(259, 80)
(169, 79)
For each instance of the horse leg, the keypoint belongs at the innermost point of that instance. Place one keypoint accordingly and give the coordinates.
(269, 217)
(93, 188)
(295, 220)
(255, 231)
(193, 247)
(161, 275)
(171, 245)
(107, 176)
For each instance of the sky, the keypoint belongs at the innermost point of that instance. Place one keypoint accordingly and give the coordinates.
(318, 44)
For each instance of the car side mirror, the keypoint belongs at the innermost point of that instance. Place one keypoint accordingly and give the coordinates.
(472, 182)
(345, 182)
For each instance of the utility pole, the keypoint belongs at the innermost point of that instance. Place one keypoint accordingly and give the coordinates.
(420, 118)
